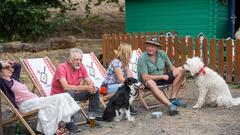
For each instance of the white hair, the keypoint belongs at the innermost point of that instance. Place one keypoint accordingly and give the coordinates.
(74, 51)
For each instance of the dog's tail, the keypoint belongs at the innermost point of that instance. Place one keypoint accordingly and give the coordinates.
(236, 101)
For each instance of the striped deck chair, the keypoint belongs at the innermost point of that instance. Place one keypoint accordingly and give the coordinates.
(96, 72)
(41, 71)
(23, 117)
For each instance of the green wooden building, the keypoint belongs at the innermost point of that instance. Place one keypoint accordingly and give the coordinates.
(186, 17)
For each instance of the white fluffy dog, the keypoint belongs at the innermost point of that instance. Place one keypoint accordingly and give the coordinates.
(213, 90)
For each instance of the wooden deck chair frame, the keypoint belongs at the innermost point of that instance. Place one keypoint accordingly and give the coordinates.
(146, 92)
(36, 82)
(18, 116)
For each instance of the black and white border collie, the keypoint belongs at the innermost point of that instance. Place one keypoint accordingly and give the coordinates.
(119, 104)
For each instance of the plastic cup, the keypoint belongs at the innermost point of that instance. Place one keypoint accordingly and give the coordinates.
(103, 90)
(92, 122)
(157, 115)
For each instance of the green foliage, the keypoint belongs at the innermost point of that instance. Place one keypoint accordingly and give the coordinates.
(31, 19)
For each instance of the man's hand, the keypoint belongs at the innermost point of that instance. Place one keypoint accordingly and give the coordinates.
(165, 77)
(91, 89)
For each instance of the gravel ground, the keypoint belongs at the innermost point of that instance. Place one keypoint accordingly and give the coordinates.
(204, 121)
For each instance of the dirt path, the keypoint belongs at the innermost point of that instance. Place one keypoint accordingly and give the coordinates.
(205, 121)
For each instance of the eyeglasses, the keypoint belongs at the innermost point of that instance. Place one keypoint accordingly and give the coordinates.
(77, 59)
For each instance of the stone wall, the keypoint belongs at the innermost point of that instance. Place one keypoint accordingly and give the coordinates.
(87, 45)
(52, 44)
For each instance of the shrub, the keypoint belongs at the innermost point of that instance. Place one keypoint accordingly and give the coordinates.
(31, 19)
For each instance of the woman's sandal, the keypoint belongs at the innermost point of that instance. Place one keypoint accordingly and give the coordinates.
(62, 130)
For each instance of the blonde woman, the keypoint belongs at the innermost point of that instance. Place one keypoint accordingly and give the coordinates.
(118, 69)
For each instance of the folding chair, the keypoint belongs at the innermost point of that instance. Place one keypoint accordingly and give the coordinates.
(41, 71)
(146, 92)
(96, 72)
(19, 116)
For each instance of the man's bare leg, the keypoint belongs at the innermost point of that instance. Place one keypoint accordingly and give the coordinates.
(177, 83)
(157, 93)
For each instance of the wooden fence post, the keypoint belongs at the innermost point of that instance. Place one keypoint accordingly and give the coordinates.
(205, 52)
(176, 52)
(237, 61)
(197, 48)
(170, 48)
(113, 45)
(135, 41)
(213, 54)
(183, 50)
(221, 64)
(128, 39)
(142, 39)
(229, 61)
(190, 48)
(163, 43)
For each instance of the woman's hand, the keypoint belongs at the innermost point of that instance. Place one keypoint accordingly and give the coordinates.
(7, 64)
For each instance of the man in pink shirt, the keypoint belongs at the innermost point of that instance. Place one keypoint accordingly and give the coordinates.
(68, 78)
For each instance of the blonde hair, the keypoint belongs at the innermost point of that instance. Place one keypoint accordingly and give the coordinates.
(124, 53)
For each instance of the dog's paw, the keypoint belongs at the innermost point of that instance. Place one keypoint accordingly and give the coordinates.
(117, 119)
(131, 118)
(196, 106)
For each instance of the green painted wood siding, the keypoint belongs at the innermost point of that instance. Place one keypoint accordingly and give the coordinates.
(223, 20)
(187, 17)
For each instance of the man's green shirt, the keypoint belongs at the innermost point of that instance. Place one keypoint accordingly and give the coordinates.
(147, 66)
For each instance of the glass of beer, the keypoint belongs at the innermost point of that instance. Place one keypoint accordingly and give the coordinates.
(92, 122)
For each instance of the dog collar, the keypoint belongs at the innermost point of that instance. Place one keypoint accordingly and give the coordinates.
(136, 94)
(201, 71)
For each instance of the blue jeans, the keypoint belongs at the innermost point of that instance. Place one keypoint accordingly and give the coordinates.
(111, 88)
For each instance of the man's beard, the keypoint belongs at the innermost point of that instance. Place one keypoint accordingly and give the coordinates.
(77, 67)
(151, 54)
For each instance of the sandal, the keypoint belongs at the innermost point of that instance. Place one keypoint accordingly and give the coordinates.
(62, 130)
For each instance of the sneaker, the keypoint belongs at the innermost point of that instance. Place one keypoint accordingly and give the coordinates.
(133, 111)
(178, 102)
(172, 110)
(72, 127)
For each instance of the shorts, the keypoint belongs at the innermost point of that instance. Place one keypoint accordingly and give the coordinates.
(165, 82)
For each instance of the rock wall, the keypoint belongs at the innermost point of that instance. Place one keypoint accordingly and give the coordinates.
(87, 45)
